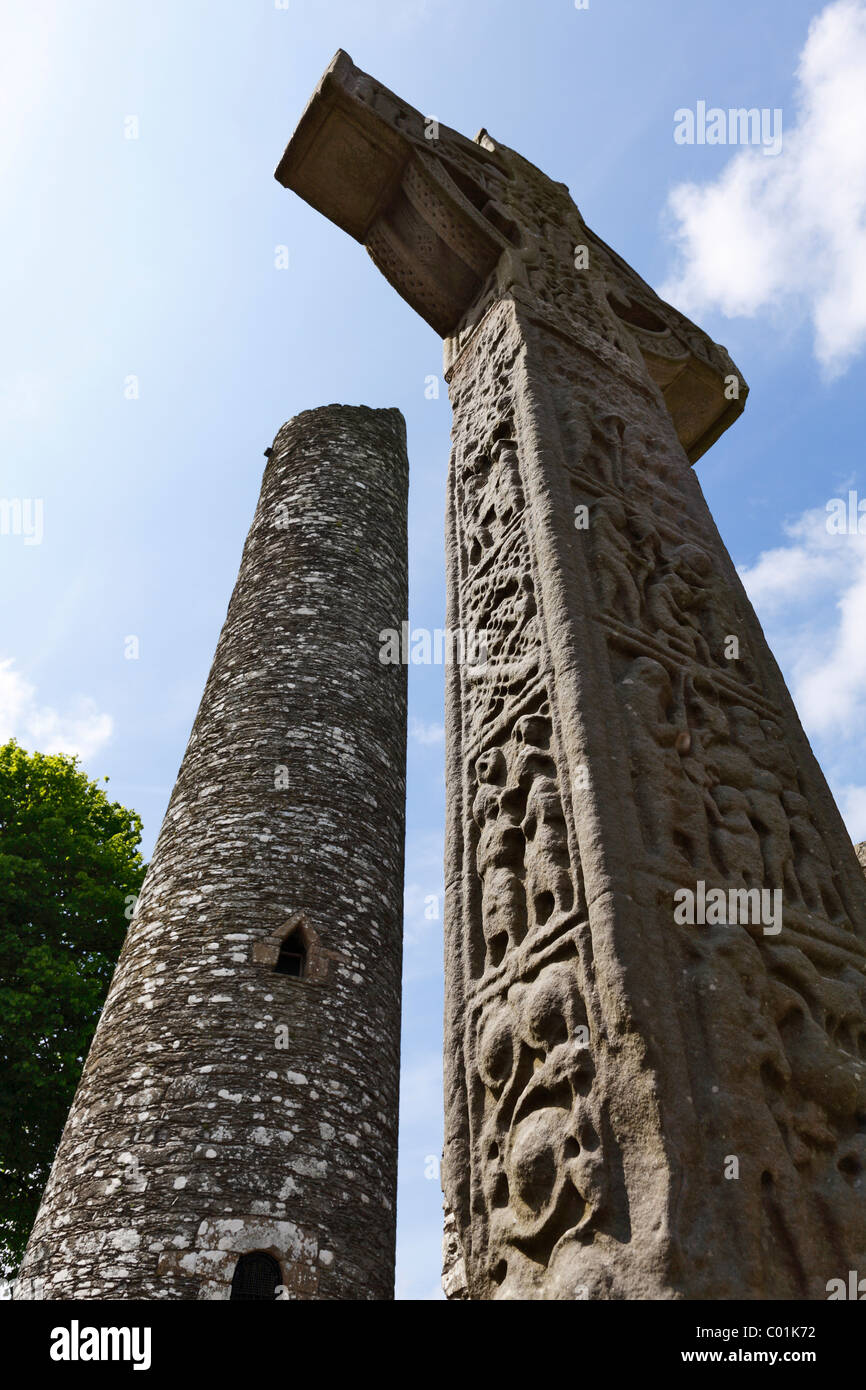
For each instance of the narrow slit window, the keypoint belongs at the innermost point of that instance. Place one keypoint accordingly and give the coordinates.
(292, 959)
(256, 1278)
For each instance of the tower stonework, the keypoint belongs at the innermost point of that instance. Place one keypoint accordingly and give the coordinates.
(240, 1095)
(637, 1105)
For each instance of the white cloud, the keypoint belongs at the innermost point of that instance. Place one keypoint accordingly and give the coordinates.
(32, 42)
(789, 233)
(813, 592)
(815, 562)
(852, 803)
(80, 729)
(21, 398)
(426, 733)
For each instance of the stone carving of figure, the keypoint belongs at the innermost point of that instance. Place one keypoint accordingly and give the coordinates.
(672, 807)
(517, 612)
(775, 754)
(510, 500)
(492, 498)
(735, 841)
(549, 887)
(617, 589)
(708, 724)
(669, 602)
(811, 861)
(498, 858)
(476, 509)
(608, 435)
(714, 612)
(816, 1018)
(545, 1178)
(645, 549)
(651, 468)
(764, 799)
(549, 883)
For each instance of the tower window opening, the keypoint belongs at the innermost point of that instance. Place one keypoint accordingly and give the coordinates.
(292, 959)
(256, 1277)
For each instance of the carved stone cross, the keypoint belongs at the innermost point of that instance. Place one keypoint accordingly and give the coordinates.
(655, 920)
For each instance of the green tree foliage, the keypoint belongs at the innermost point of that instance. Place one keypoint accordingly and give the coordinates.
(69, 867)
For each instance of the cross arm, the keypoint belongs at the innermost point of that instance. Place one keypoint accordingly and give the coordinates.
(456, 224)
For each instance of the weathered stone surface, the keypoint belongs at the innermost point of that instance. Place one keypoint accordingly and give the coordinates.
(861, 854)
(225, 1108)
(453, 1262)
(635, 1107)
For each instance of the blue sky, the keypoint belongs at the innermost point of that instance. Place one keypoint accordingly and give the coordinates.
(154, 258)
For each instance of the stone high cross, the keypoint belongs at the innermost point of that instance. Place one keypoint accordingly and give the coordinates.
(654, 1074)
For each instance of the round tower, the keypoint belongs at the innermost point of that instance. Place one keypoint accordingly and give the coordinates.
(234, 1133)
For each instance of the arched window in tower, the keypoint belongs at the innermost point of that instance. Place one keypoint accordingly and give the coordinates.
(292, 959)
(256, 1277)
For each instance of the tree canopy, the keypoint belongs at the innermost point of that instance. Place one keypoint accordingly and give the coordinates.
(70, 870)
